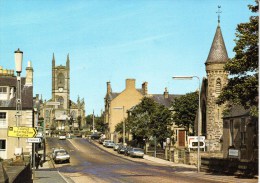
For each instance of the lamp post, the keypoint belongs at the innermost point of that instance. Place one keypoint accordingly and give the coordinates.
(93, 121)
(18, 57)
(198, 130)
(122, 108)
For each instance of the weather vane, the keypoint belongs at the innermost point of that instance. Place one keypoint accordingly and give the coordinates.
(218, 12)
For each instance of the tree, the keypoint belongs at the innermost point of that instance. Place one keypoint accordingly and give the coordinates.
(242, 87)
(185, 110)
(150, 119)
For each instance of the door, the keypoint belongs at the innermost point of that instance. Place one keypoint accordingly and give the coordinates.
(181, 138)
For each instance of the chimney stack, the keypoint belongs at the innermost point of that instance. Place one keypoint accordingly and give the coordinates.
(130, 83)
(29, 74)
(145, 88)
(109, 90)
(166, 93)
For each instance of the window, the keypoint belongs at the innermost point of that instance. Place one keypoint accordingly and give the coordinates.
(243, 131)
(218, 86)
(61, 80)
(2, 145)
(3, 121)
(3, 93)
(231, 128)
(61, 100)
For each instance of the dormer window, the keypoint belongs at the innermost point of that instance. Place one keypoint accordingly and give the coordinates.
(3, 93)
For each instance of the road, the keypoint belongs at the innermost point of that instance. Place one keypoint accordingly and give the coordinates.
(89, 164)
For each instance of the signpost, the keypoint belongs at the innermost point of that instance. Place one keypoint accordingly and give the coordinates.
(22, 132)
(34, 140)
(194, 141)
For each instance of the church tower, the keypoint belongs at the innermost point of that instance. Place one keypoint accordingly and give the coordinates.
(61, 85)
(217, 78)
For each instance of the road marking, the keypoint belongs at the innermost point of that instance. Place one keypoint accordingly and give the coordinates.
(73, 144)
(63, 177)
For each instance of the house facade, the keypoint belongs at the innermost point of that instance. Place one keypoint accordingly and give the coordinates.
(117, 104)
(240, 135)
(12, 146)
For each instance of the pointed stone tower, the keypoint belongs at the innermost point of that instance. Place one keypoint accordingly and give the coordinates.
(217, 78)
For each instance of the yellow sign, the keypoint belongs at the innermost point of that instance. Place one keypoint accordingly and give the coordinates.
(23, 132)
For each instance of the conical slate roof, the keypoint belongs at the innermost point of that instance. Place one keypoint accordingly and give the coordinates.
(218, 52)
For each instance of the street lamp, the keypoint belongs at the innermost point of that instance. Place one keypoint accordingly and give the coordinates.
(18, 57)
(122, 108)
(190, 78)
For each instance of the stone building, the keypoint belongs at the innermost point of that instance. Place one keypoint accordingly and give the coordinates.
(67, 115)
(240, 135)
(10, 146)
(211, 113)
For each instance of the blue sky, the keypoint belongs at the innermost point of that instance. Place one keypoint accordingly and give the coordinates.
(112, 40)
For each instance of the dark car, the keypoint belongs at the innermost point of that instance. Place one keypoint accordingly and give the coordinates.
(121, 149)
(95, 136)
(127, 150)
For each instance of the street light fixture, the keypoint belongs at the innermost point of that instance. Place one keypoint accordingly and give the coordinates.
(198, 130)
(122, 108)
(18, 58)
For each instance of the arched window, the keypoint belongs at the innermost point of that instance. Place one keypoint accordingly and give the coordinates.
(73, 114)
(61, 80)
(218, 86)
(61, 100)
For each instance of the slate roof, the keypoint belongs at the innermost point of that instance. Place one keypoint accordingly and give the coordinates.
(27, 94)
(111, 96)
(218, 52)
(237, 111)
(167, 102)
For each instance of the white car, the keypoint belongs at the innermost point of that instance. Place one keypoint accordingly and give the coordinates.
(106, 141)
(61, 156)
(62, 137)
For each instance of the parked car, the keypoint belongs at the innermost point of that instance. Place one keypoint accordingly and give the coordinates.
(127, 150)
(116, 146)
(95, 136)
(110, 144)
(136, 152)
(62, 136)
(105, 141)
(61, 156)
(121, 149)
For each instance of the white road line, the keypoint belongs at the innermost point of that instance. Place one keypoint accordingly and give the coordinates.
(73, 144)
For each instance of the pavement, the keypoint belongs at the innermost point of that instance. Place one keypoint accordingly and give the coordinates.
(48, 173)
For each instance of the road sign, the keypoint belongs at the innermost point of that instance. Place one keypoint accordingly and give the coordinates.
(34, 140)
(23, 132)
(193, 142)
(53, 103)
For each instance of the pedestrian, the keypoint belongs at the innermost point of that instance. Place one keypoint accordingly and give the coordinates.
(37, 160)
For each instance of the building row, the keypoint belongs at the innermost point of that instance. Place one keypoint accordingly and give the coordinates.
(231, 135)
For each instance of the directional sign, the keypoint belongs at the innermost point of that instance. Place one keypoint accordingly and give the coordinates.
(34, 140)
(193, 142)
(23, 132)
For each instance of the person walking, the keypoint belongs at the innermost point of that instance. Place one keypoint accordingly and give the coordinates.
(37, 160)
